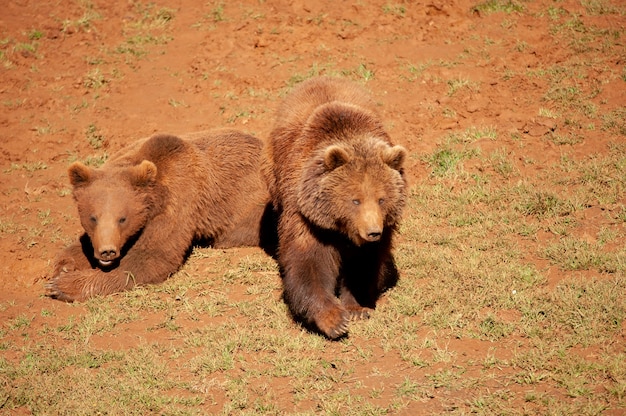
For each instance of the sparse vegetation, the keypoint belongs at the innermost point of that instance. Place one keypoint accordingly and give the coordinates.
(94, 79)
(511, 250)
(493, 6)
(454, 85)
(394, 9)
(217, 13)
(83, 23)
(95, 139)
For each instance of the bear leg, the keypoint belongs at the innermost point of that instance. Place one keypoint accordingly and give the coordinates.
(310, 297)
(310, 271)
(138, 267)
(77, 285)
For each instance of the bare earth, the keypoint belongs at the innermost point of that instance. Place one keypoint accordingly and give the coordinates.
(101, 74)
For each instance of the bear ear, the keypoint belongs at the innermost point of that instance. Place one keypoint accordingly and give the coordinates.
(80, 175)
(143, 174)
(394, 157)
(335, 156)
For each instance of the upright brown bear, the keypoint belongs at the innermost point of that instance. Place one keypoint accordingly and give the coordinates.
(143, 209)
(338, 188)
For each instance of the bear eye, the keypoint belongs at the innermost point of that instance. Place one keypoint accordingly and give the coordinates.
(93, 219)
(356, 202)
(122, 220)
(381, 201)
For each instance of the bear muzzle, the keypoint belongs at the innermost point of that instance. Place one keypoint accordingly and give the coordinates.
(371, 231)
(107, 240)
(370, 225)
(371, 235)
(106, 255)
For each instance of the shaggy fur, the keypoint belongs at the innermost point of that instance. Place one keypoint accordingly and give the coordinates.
(338, 188)
(143, 209)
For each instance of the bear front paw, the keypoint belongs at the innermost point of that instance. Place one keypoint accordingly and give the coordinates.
(65, 286)
(333, 322)
(54, 292)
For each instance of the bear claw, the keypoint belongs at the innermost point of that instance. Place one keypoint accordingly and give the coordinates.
(53, 291)
(360, 313)
(338, 331)
(334, 323)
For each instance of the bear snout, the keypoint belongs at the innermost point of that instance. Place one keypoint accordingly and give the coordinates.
(371, 224)
(107, 254)
(373, 235)
(107, 239)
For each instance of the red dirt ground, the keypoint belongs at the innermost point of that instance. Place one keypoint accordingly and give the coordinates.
(113, 67)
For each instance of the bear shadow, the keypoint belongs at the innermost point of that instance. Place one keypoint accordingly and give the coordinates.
(268, 235)
(268, 231)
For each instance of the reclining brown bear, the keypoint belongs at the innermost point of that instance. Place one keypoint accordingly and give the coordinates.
(144, 208)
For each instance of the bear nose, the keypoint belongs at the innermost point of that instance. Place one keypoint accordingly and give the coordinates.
(373, 236)
(108, 253)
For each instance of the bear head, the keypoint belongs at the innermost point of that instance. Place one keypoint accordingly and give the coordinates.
(113, 205)
(355, 187)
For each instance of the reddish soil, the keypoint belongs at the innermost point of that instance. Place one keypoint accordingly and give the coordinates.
(126, 74)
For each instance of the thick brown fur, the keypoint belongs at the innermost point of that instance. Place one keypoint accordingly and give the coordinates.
(144, 208)
(338, 188)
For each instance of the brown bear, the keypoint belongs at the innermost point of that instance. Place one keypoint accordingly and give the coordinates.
(338, 188)
(142, 211)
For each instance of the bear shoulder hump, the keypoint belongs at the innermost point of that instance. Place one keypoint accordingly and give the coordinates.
(162, 146)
